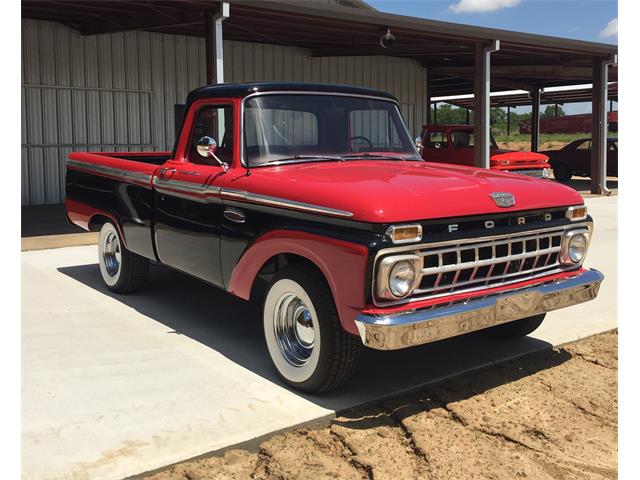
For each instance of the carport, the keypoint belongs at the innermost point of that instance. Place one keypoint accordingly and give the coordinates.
(509, 100)
(458, 59)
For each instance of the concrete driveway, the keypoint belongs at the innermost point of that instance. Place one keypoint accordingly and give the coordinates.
(115, 385)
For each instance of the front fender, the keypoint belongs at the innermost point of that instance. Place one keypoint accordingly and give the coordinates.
(344, 265)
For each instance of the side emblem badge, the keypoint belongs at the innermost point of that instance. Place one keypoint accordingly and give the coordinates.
(503, 199)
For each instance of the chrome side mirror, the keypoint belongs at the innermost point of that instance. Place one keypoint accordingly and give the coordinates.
(206, 148)
(418, 141)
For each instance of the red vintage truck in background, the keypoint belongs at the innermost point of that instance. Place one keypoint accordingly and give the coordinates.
(312, 200)
(454, 144)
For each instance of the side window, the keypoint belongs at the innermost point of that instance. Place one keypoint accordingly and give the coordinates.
(461, 138)
(215, 121)
(586, 145)
(436, 139)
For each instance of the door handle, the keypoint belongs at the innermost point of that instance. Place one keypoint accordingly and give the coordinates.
(234, 215)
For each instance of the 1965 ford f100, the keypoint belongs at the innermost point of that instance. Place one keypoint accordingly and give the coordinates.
(312, 200)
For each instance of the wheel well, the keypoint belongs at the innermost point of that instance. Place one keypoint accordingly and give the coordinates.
(276, 263)
(97, 221)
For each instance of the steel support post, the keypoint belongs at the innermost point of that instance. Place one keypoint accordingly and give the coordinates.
(214, 62)
(481, 110)
(599, 125)
(535, 119)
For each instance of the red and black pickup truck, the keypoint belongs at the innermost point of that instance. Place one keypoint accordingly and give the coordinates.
(312, 200)
(454, 144)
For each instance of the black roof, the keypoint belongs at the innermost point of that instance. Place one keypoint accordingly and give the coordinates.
(244, 89)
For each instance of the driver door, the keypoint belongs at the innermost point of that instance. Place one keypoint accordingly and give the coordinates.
(189, 208)
(435, 146)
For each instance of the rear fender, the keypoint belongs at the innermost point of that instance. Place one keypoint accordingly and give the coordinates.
(84, 216)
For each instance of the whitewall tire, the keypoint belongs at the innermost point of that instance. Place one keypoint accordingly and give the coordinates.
(302, 330)
(122, 271)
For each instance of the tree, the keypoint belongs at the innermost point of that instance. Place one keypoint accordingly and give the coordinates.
(550, 111)
(448, 114)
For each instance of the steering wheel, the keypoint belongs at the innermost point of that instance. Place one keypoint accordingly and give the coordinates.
(359, 137)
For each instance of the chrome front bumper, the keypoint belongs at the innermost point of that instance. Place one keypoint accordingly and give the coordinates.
(400, 330)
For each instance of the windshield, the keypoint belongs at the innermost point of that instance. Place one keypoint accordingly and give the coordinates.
(297, 128)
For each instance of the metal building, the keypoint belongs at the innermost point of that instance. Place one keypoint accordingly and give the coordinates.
(111, 75)
(119, 91)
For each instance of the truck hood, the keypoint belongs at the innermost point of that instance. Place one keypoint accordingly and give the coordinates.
(517, 158)
(395, 191)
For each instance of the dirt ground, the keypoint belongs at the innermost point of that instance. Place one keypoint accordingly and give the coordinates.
(551, 414)
(526, 146)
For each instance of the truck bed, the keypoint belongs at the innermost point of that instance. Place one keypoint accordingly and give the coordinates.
(155, 158)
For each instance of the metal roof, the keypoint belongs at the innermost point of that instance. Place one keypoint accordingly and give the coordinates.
(525, 61)
(546, 98)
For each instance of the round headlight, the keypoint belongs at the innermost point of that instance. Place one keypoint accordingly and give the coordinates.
(401, 278)
(577, 248)
(546, 173)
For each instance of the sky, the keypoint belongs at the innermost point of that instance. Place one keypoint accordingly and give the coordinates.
(592, 20)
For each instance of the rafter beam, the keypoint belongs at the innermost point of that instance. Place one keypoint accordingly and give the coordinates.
(533, 71)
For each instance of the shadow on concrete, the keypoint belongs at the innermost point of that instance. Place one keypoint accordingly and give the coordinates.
(46, 220)
(232, 327)
(583, 184)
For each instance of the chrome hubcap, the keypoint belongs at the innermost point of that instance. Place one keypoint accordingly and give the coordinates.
(293, 327)
(111, 253)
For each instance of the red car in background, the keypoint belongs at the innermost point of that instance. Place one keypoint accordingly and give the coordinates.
(575, 159)
(454, 144)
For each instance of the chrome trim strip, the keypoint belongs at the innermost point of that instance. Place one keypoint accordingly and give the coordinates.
(282, 202)
(406, 329)
(294, 92)
(121, 174)
(187, 190)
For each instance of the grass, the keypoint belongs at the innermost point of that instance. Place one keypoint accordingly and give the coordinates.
(546, 137)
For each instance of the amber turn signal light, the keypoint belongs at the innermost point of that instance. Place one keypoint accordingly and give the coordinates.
(577, 213)
(405, 233)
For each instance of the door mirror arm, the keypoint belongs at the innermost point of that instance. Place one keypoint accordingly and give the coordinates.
(206, 148)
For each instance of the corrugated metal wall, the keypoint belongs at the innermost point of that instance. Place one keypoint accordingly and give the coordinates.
(118, 91)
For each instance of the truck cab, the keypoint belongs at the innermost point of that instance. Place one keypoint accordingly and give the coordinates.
(454, 144)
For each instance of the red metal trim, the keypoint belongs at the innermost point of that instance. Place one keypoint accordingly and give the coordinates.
(344, 265)
(81, 215)
(373, 310)
(187, 127)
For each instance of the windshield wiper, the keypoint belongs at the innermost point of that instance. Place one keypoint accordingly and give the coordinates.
(306, 157)
(370, 155)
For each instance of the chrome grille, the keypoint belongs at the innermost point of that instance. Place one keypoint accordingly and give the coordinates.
(451, 267)
(470, 264)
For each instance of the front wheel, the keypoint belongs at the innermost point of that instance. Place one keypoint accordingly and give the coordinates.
(122, 271)
(305, 339)
(517, 328)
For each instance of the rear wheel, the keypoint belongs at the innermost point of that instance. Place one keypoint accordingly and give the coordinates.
(562, 173)
(305, 339)
(122, 271)
(517, 328)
